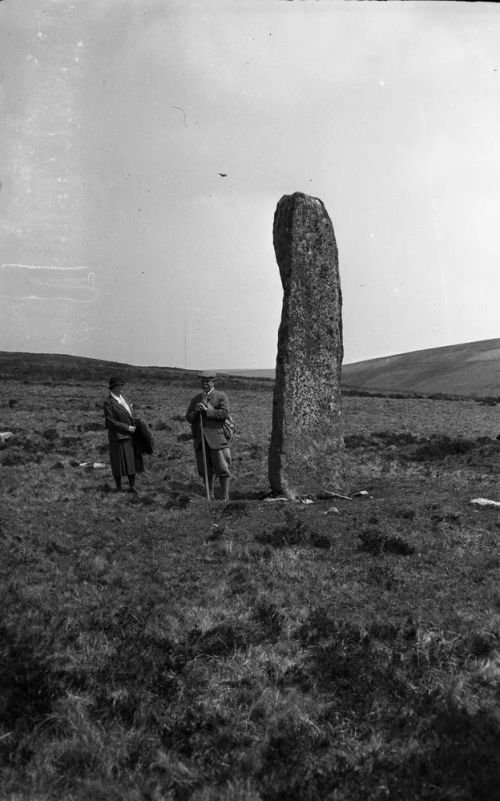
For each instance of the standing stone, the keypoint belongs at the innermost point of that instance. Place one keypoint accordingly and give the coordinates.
(305, 454)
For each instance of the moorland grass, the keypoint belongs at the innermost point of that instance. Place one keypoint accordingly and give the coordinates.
(164, 647)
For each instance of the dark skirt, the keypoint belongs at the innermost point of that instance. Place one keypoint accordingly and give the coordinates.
(121, 456)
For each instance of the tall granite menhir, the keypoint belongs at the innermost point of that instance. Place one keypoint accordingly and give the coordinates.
(305, 454)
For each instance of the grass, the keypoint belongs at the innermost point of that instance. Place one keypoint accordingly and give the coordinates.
(168, 648)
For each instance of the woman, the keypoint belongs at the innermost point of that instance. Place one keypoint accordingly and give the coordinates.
(121, 429)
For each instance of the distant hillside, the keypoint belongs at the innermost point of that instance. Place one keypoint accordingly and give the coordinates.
(472, 368)
(56, 366)
(250, 373)
(29, 367)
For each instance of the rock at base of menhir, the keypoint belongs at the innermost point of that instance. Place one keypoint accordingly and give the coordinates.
(305, 454)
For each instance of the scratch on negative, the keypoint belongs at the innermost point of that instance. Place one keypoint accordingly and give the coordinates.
(183, 114)
(36, 282)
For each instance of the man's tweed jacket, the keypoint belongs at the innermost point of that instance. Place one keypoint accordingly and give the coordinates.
(218, 410)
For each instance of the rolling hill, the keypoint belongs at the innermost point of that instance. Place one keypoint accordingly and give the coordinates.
(471, 368)
(51, 367)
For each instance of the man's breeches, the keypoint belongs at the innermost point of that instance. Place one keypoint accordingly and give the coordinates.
(218, 462)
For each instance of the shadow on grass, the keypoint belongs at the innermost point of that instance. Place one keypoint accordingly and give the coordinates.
(458, 761)
(248, 495)
(25, 692)
(299, 750)
(353, 672)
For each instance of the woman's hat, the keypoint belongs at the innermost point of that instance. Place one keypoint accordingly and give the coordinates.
(116, 382)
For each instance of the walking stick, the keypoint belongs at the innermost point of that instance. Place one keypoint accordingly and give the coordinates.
(204, 454)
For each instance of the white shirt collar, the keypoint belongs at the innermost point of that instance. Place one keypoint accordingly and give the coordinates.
(121, 400)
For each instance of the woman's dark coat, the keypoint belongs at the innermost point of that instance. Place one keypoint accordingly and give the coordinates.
(123, 457)
(143, 438)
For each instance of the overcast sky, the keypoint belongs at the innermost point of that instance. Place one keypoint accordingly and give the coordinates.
(119, 116)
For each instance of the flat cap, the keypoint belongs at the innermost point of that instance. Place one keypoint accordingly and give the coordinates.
(208, 374)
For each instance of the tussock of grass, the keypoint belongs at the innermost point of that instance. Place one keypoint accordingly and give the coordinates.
(440, 446)
(235, 508)
(376, 542)
(295, 532)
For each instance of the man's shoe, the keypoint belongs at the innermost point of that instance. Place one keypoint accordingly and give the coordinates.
(133, 490)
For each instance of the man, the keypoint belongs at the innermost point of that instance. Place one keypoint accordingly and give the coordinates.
(206, 412)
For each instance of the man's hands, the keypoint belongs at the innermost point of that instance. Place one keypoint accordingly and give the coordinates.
(131, 429)
(201, 408)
